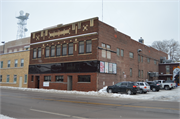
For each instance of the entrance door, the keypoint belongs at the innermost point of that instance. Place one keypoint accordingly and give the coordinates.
(37, 82)
(69, 83)
(20, 81)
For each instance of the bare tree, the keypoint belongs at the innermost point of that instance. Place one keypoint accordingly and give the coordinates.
(171, 47)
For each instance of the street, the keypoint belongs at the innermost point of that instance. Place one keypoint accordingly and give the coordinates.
(27, 104)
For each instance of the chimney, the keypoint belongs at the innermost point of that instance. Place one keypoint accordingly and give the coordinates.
(141, 40)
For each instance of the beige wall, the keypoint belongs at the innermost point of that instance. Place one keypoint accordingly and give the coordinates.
(19, 71)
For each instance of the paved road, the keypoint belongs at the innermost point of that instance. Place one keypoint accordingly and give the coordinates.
(27, 104)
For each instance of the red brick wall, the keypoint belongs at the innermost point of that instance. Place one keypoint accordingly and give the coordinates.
(79, 86)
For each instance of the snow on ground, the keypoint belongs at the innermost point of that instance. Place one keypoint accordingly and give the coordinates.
(5, 117)
(162, 95)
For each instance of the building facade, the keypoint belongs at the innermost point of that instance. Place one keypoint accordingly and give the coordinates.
(14, 63)
(168, 71)
(87, 55)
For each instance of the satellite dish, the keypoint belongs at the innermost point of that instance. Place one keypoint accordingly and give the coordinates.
(25, 29)
(21, 13)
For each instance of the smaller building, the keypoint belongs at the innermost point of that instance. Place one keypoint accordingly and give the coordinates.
(14, 63)
(168, 70)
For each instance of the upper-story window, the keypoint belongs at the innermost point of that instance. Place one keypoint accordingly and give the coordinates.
(167, 69)
(141, 58)
(58, 50)
(131, 55)
(7, 78)
(81, 47)
(103, 45)
(34, 53)
(155, 62)
(88, 46)
(70, 49)
(1, 64)
(108, 46)
(52, 51)
(9, 63)
(39, 52)
(130, 72)
(47, 51)
(64, 49)
(22, 62)
(118, 51)
(148, 60)
(16, 63)
(122, 52)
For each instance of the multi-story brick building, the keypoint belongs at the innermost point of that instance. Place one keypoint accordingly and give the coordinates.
(14, 63)
(87, 55)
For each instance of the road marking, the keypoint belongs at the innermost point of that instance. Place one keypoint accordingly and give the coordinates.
(50, 112)
(65, 115)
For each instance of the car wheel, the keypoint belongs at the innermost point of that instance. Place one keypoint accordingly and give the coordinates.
(110, 91)
(153, 89)
(140, 91)
(145, 92)
(166, 87)
(129, 92)
(157, 90)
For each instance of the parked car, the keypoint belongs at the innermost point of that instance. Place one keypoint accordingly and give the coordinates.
(167, 85)
(123, 87)
(154, 86)
(143, 87)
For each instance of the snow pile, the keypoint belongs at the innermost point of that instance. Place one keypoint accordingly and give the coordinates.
(162, 95)
(5, 117)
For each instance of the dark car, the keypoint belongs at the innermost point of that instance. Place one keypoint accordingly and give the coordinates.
(123, 87)
(154, 86)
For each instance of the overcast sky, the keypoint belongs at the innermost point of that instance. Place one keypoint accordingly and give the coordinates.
(154, 20)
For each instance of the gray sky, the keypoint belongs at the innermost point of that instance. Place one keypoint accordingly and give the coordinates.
(154, 20)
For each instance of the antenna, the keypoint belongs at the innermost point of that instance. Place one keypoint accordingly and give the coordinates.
(22, 21)
(102, 10)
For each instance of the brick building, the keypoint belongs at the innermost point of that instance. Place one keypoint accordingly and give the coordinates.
(14, 63)
(87, 55)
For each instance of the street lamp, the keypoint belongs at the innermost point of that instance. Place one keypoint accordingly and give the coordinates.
(3, 45)
(138, 51)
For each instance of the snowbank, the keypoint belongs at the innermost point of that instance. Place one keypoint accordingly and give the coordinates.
(5, 117)
(162, 95)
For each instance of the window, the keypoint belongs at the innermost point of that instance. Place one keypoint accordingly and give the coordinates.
(167, 69)
(58, 50)
(22, 62)
(52, 51)
(9, 63)
(32, 78)
(103, 45)
(15, 63)
(88, 46)
(124, 84)
(148, 60)
(0, 78)
(103, 53)
(141, 58)
(70, 49)
(7, 79)
(1, 64)
(154, 61)
(142, 73)
(130, 72)
(47, 78)
(34, 53)
(64, 49)
(108, 54)
(47, 51)
(79, 25)
(138, 58)
(122, 53)
(15, 78)
(39, 52)
(84, 78)
(25, 78)
(108, 47)
(131, 55)
(59, 79)
(139, 73)
(168, 78)
(118, 51)
(81, 47)
(27, 48)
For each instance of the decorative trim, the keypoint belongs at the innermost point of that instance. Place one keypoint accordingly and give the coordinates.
(93, 33)
(85, 54)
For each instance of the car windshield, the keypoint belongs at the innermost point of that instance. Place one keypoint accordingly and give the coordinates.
(169, 82)
(147, 84)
